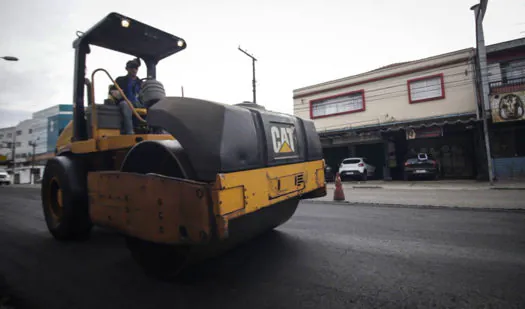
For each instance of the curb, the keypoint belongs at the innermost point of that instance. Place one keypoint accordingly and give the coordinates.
(367, 187)
(431, 188)
(507, 188)
(348, 203)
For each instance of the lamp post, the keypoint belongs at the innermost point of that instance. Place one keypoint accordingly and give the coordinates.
(481, 59)
(253, 71)
(9, 58)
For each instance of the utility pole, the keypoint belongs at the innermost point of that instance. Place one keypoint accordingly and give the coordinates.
(33, 144)
(253, 70)
(481, 60)
(182, 90)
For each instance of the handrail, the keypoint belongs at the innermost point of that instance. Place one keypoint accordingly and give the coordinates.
(119, 89)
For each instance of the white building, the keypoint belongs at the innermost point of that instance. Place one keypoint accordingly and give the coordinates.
(24, 137)
(33, 137)
(6, 142)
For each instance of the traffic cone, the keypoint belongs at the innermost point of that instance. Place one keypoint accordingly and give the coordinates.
(339, 194)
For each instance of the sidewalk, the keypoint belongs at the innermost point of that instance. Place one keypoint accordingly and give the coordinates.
(448, 194)
(432, 185)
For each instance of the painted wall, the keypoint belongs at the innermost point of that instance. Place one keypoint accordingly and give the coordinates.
(55, 125)
(386, 93)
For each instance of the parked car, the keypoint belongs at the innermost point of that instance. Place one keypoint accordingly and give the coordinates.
(356, 167)
(329, 174)
(424, 165)
(5, 178)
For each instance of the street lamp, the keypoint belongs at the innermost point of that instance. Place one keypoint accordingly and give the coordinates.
(253, 69)
(9, 58)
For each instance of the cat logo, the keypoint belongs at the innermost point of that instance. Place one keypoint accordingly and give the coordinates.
(283, 139)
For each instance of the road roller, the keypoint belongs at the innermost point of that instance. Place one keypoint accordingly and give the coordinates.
(195, 179)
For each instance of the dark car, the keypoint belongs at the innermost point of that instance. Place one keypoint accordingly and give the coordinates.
(329, 174)
(422, 166)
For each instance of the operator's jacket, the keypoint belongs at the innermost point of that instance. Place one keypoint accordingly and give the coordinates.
(130, 88)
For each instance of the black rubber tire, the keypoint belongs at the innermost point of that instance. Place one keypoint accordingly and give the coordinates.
(364, 177)
(71, 221)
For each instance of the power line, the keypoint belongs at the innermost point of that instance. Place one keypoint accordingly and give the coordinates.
(404, 92)
(371, 98)
(404, 84)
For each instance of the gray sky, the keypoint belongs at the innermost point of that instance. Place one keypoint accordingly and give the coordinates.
(297, 43)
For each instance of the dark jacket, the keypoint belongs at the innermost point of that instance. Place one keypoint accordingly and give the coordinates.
(132, 93)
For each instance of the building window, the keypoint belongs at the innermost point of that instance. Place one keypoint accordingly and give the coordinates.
(511, 71)
(30, 131)
(426, 88)
(19, 132)
(345, 103)
(18, 144)
(1, 136)
(9, 135)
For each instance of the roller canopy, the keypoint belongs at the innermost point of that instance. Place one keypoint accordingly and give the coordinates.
(222, 138)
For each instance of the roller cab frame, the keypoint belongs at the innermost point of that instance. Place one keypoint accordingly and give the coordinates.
(203, 177)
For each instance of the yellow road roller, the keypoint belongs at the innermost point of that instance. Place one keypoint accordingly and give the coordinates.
(194, 179)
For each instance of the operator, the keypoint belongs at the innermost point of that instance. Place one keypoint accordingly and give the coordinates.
(130, 85)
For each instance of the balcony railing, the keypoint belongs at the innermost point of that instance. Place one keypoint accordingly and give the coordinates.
(506, 86)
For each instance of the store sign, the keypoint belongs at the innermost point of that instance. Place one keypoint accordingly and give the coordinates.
(413, 133)
(508, 106)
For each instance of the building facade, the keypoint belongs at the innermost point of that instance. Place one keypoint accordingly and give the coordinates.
(506, 76)
(33, 142)
(6, 144)
(394, 112)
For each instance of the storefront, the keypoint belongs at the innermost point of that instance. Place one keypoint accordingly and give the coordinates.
(366, 144)
(451, 142)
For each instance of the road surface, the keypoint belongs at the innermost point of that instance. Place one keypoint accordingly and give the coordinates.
(327, 256)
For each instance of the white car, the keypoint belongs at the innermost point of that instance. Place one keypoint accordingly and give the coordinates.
(5, 179)
(352, 167)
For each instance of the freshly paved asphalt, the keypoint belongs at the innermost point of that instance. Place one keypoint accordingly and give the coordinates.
(326, 256)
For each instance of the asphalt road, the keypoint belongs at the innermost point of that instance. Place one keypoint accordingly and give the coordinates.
(327, 256)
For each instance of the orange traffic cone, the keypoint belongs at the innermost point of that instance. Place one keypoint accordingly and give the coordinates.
(339, 194)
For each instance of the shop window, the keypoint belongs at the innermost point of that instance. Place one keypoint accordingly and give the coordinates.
(426, 88)
(345, 103)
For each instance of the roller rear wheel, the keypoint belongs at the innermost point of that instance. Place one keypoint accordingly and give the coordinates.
(65, 200)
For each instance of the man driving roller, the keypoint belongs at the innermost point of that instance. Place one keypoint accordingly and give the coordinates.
(130, 85)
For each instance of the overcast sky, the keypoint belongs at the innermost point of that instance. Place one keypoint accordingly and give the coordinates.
(297, 43)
